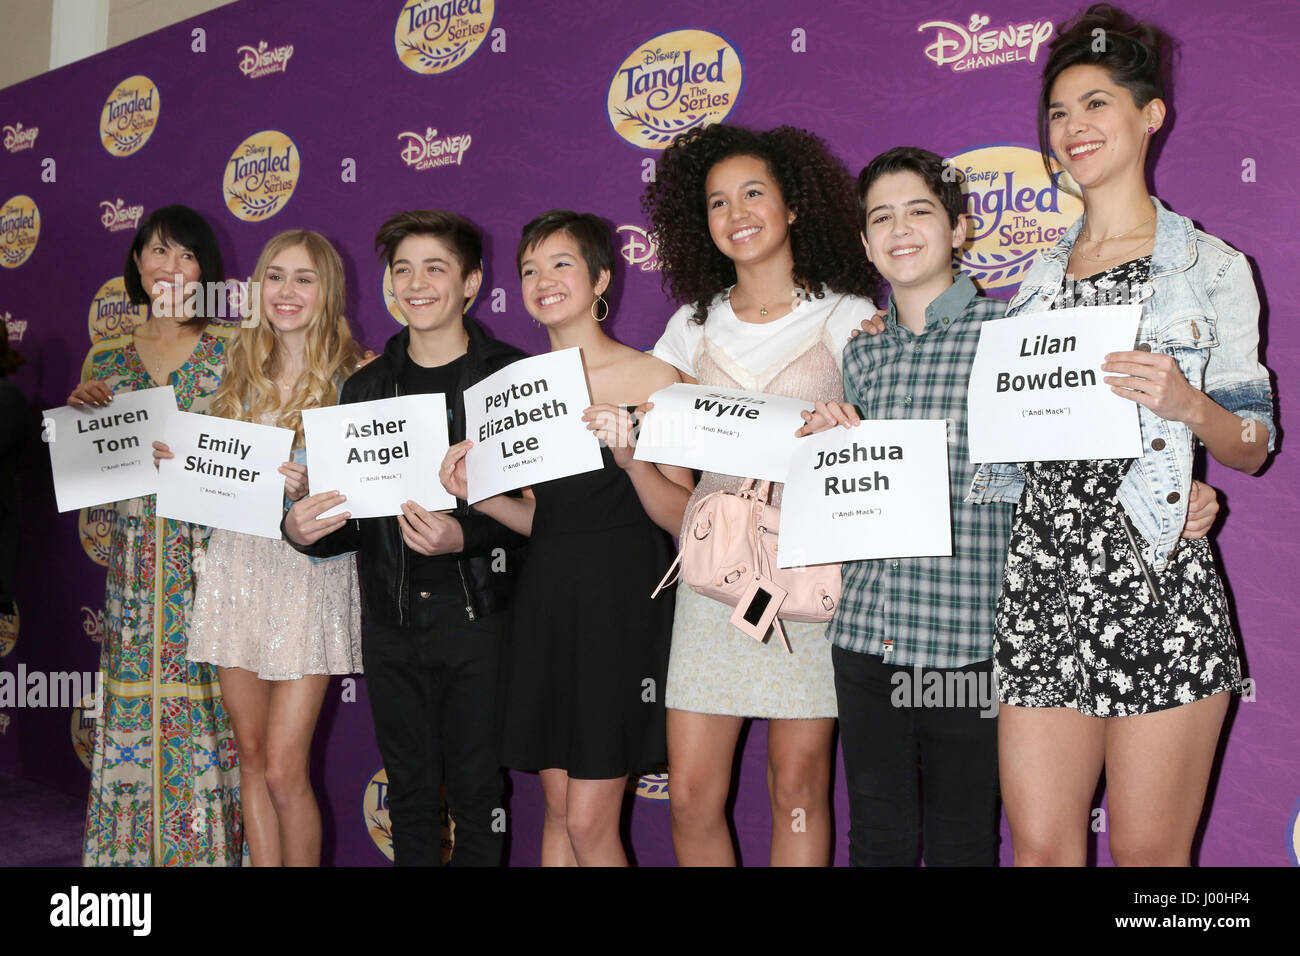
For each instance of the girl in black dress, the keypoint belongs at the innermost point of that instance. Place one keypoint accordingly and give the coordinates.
(585, 667)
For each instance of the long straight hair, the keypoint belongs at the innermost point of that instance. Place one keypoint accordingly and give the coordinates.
(256, 355)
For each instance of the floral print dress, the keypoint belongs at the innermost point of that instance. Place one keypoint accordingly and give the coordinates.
(164, 787)
(1083, 621)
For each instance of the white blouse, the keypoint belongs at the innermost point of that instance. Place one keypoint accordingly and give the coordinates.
(754, 353)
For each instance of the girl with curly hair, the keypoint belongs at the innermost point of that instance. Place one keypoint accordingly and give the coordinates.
(757, 239)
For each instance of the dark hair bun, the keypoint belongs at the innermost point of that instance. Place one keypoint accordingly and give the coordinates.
(1128, 47)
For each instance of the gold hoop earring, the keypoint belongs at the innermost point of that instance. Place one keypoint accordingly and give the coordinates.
(600, 318)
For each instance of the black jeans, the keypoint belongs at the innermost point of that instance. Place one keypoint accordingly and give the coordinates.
(887, 727)
(433, 694)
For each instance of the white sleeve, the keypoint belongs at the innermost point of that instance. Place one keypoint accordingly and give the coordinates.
(678, 345)
(849, 316)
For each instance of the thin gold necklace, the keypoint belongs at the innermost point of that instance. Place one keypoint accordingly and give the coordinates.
(762, 306)
(1096, 242)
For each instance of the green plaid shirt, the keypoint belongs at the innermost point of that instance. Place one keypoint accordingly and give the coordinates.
(938, 612)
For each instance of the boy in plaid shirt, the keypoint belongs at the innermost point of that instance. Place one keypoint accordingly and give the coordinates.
(913, 637)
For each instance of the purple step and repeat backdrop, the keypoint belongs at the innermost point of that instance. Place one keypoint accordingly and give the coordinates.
(337, 114)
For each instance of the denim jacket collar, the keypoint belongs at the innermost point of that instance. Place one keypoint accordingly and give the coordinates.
(1174, 250)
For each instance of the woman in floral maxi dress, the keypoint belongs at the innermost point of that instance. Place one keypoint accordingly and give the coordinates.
(164, 787)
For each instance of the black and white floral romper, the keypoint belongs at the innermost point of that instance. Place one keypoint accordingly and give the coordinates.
(1082, 621)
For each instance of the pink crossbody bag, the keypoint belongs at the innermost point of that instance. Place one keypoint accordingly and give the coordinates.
(730, 539)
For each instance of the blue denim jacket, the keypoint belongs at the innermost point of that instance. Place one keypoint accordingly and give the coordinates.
(1199, 306)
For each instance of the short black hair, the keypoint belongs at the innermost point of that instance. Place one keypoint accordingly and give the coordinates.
(590, 232)
(185, 227)
(1131, 52)
(463, 237)
(944, 180)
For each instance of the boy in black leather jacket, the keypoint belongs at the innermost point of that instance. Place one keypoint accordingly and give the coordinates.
(436, 587)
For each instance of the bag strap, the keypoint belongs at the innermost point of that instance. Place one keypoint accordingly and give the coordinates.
(776, 626)
(670, 576)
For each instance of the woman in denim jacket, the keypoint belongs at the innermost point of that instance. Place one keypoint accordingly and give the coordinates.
(1114, 643)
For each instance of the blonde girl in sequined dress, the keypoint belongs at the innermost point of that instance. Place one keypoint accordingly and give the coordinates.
(277, 623)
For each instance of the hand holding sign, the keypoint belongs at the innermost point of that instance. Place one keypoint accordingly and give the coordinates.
(827, 415)
(452, 472)
(304, 524)
(93, 392)
(1154, 381)
(616, 427)
(430, 533)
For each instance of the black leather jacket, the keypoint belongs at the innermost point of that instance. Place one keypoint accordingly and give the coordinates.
(383, 560)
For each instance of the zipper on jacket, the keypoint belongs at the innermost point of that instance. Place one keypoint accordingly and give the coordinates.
(466, 372)
(403, 594)
(469, 604)
(1137, 554)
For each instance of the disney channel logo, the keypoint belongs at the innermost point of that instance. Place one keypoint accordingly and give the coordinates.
(17, 139)
(263, 59)
(116, 216)
(972, 47)
(639, 248)
(428, 150)
(16, 328)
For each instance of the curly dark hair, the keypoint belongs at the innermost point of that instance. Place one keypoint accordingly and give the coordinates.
(814, 183)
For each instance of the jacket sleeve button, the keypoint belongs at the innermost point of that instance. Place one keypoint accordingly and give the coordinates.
(1158, 444)
(1173, 497)
(1143, 347)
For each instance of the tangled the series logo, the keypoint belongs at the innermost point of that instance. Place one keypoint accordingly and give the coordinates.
(20, 227)
(974, 46)
(17, 139)
(261, 176)
(434, 36)
(129, 116)
(1013, 209)
(116, 216)
(429, 150)
(263, 59)
(94, 525)
(649, 786)
(672, 83)
(112, 313)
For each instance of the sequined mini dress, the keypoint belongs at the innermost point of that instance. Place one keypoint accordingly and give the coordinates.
(261, 606)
